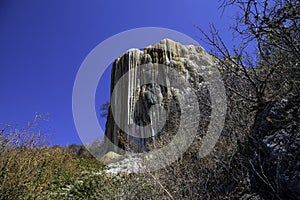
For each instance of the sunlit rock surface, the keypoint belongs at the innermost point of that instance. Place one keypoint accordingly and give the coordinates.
(111, 157)
(187, 60)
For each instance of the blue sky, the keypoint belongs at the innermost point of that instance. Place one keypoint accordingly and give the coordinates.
(44, 42)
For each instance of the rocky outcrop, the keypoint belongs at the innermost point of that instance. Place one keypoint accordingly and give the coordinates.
(110, 157)
(137, 101)
(128, 165)
(276, 160)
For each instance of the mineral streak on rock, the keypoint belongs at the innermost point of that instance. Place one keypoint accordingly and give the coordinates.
(187, 60)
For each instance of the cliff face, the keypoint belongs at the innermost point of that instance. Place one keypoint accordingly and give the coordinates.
(138, 98)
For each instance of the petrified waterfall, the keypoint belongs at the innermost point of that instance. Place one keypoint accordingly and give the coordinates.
(137, 98)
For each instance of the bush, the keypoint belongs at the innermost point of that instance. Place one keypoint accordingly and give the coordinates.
(30, 169)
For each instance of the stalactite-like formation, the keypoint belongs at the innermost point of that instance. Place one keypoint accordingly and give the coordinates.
(166, 53)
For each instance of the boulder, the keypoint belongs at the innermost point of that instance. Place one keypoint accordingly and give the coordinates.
(111, 157)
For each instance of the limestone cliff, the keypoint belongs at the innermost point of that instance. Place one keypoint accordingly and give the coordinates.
(164, 53)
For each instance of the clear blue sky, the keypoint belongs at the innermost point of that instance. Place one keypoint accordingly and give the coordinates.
(44, 42)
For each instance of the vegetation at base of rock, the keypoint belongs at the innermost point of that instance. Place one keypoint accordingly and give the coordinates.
(32, 170)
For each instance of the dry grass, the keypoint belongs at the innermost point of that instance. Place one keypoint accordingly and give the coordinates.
(31, 170)
(28, 167)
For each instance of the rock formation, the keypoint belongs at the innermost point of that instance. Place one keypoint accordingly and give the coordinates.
(138, 104)
(257, 156)
(277, 149)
